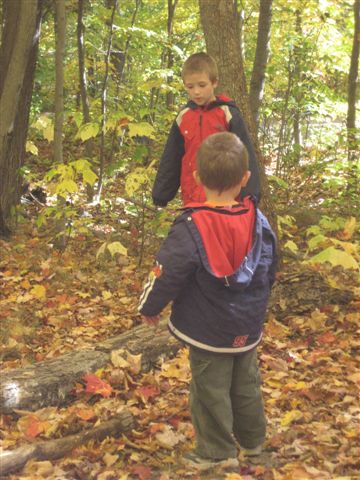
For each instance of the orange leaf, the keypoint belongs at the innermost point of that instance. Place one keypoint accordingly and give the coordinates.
(327, 337)
(143, 472)
(95, 385)
(147, 391)
(32, 426)
(85, 413)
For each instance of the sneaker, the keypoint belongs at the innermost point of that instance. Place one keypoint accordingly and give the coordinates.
(253, 452)
(191, 459)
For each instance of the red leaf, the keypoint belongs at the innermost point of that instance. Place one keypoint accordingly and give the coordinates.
(95, 385)
(143, 472)
(147, 391)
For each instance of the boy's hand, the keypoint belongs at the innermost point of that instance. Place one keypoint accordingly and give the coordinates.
(152, 321)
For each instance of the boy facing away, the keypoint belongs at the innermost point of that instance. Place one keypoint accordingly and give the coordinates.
(217, 266)
(204, 115)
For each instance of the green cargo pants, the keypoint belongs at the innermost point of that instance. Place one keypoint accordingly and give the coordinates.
(226, 403)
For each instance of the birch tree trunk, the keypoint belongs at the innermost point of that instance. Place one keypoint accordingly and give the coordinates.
(18, 53)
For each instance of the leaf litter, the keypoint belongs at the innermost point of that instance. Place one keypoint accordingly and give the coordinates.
(54, 303)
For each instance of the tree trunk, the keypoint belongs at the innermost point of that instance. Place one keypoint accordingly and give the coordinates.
(297, 139)
(12, 460)
(257, 82)
(221, 29)
(170, 55)
(83, 87)
(353, 144)
(60, 35)
(103, 102)
(18, 53)
(51, 382)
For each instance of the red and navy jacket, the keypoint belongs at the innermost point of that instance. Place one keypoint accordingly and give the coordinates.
(178, 161)
(217, 266)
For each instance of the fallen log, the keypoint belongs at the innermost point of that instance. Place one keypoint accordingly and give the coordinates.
(12, 460)
(51, 382)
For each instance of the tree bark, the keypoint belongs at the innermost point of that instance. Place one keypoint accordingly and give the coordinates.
(257, 82)
(103, 102)
(60, 35)
(352, 80)
(51, 382)
(298, 94)
(221, 30)
(170, 55)
(18, 53)
(12, 460)
(83, 87)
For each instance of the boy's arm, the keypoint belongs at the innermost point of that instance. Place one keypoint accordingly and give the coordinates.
(237, 126)
(176, 262)
(167, 179)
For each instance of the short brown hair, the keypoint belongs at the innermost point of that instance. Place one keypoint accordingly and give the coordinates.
(222, 161)
(198, 63)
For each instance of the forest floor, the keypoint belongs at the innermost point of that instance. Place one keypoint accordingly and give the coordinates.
(53, 302)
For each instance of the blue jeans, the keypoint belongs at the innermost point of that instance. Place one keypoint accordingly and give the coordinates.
(226, 403)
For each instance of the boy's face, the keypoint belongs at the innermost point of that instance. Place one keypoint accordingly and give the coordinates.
(200, 88)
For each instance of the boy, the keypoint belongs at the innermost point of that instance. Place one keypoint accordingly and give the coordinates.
(203, 115)
(217, 265)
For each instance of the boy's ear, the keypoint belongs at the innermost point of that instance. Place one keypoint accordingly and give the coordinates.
(215, 84)
(196, 177)
(245, 178)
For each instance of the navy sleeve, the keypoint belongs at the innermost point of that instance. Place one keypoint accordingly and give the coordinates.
(176, 261)
(167, 179)
(237, 126)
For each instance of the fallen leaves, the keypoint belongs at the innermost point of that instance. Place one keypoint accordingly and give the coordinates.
(95, 385)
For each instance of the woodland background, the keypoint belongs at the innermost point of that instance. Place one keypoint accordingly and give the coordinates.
(88, 91)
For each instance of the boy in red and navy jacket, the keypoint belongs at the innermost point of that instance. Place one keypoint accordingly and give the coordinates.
(204, 115)
(217, 266)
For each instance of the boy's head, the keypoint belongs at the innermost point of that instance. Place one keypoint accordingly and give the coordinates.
(222, 163)
(200, 77)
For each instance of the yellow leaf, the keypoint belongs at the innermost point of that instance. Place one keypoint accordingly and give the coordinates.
(290, 417)
(116, 247)
(335, 257)
(349, 229)
(110, 459)
(39, 292)
(141, 129)
(31, 147)
(290, 245)
(296, 386)
(118, 360)
(135, 362)
(233, 476)
(106, 294)
(48, 133)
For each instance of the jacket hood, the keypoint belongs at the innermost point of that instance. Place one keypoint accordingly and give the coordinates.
(228, 240)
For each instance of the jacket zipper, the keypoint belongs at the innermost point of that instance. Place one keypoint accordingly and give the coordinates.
(200, 124)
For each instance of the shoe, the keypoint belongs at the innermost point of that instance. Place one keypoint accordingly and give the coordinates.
(253, 452)
(191, 459)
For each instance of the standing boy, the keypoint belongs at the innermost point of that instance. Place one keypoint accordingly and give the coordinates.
(203, 115)
(217, 266)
